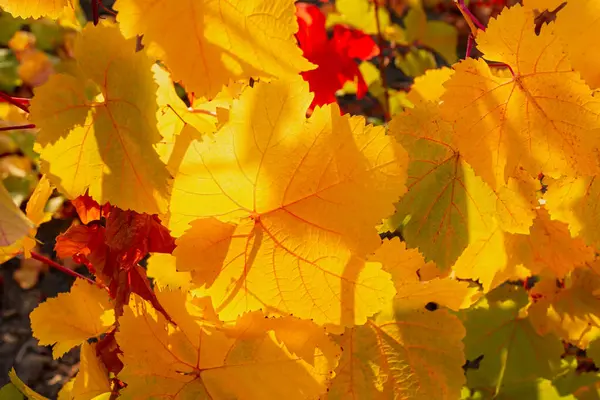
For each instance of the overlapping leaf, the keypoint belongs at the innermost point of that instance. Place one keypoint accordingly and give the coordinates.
(197, 359)
(413, 355)
(14, 225)
(543, 118)
(281, 188)
(503, 340)
(570, 312)
(71, 318)
(97, 127)
(575, 201)
(36, 8)
(460, 209)
(215, 41)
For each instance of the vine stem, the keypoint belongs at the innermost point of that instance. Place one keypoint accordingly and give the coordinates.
(62, 268)
(17, 102)
(469, 46)
(465, 11)
(17, 127)
(381, 44)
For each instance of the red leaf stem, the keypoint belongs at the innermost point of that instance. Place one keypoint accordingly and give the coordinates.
(465, 9)
(64, 269)
(17, 127)
(23, 104)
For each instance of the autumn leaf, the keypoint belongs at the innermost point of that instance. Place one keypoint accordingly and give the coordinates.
(91, 382)
(97, 128)
(574, 201)
(549, 248)
(14, 225)
(35, 8)
(513, 352)
(570, 312)
(216, 41)
(88, 209)
(429, 86)
(437, 35)
(543, 118)
(576, 24)
(281, 189)
(448, 207)
(413, 355)
(71, 318)
(334, 57)
(197, 359)
(359, 14)
(413, 290)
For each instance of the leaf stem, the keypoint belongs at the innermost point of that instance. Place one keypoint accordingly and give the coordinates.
(465, 10)
(384, 83)
(469, 46)
(17, 102)
(64, 269)
(17, 127)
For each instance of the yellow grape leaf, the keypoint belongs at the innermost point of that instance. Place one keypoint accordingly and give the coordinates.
(91, 381)
(577, 24)
(172, 113)
(29, 393)
(412, 291)
(512, 351)
(290, 197)
(415, 62)
(215, 41)
(179, 124)
(541, 119)
(97, 129)
(576, 202)
(71, 318)
(14, 225)
(550, 248)
(429, 86)
(35, 211)
(571, 313)
(490, 259)
(36, 8)
(243, 268)
(36, 214)
(359, 14)
(415, 355)
(199, 360)
(161, 268)
(447, 206)
(437, 35)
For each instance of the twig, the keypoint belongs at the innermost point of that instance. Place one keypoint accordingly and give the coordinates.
(469, 46)
(381, 44)
(14, 101)
(465, 10)
(64, 269)
(17, 127)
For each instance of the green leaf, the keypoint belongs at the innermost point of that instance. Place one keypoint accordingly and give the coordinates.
(512, 354)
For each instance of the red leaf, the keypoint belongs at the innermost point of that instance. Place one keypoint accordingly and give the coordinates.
(88, 209)
(335, 58)
(113, 253)
(108, 351)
